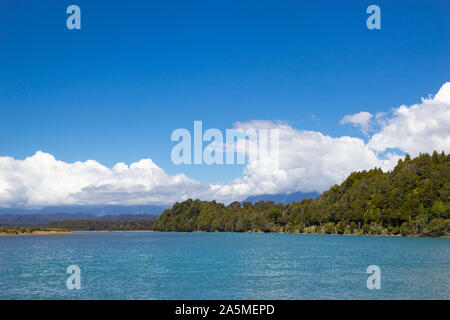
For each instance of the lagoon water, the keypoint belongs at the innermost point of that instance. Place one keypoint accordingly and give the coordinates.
(141, 265)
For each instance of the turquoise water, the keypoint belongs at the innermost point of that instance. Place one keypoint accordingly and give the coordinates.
(222, 266)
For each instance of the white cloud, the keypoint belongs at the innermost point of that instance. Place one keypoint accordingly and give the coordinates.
(443, 94)
(309, 161)
(361, 119)
(41, 180)
(422, 127)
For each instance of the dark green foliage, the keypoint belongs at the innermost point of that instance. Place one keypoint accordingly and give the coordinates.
(102, 225)
(412, 199)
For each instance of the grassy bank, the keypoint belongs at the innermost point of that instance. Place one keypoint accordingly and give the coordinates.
(31, 231)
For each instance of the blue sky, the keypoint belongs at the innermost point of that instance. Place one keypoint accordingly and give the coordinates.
(116, 89)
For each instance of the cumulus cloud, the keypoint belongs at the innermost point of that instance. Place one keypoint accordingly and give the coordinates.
(443, 94)
(422, 127)
(311, 161)
(308, 161)
(361, 119)
(41, 180)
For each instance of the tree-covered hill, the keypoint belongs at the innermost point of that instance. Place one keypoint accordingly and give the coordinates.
(412, 199)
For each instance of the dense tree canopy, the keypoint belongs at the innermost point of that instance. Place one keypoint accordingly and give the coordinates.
(102, 225)
(412, 199)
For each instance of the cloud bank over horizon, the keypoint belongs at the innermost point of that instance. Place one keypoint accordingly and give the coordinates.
(309, 161)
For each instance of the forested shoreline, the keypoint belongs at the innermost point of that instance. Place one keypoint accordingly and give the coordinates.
(410, 200)
(102, 225)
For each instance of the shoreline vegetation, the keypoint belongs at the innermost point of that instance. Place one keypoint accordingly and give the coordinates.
(67, 232)
(31, 231)
(102, 225)
(411, 200)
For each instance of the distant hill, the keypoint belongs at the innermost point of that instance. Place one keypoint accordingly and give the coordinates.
(101, 225)
(40, 219)
(94, 210)
(127, 217)
(283, 198)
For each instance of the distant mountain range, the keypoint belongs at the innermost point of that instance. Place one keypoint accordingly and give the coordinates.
(283, 198)
(93, 210)
(40, 219)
